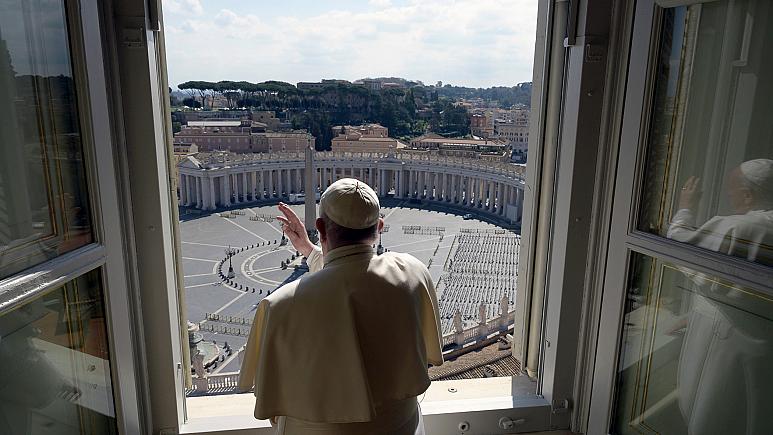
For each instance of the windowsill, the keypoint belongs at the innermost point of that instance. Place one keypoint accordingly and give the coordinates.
(233, 413)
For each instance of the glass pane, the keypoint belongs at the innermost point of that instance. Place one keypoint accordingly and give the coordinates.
(43, 200)
(709, 173)
(56, 370)
(696, 354)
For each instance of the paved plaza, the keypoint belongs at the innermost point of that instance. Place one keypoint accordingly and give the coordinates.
(224, 310)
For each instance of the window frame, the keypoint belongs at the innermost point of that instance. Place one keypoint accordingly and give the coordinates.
(134, 80)
(625, 238)
(107, 251)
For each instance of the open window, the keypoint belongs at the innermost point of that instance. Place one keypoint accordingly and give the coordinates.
(100, 274)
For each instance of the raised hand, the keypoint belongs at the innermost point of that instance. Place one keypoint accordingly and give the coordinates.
(690, 193)
(295, 230)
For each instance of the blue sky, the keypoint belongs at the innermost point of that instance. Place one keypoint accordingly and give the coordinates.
(478, 43)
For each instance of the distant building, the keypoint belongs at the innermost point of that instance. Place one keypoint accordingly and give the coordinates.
(372, 84)
(294, 141)
(364, 130)
(321, 84)
(243, 136)
(481, 125)
(367, 138)
(336, 82)
(486, 149)
(304, 86)
(266, 117)
(513, 129)
(184, 149)
(185, 116)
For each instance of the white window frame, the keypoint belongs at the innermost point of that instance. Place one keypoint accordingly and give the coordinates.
(625, 239)
(573, 86)
(108, 251)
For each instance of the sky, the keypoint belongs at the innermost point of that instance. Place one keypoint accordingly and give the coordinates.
(476, 43)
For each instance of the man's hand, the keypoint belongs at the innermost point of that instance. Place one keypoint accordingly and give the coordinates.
(689, 195)
(294, 230)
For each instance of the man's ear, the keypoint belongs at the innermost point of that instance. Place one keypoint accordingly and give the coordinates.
(380, 225)
(320, 225)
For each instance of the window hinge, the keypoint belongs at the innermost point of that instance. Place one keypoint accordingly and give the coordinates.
(561, 406)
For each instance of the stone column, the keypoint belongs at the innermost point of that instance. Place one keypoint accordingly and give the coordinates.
(430, 185)
(270, 183)
(254, 179)
(236, 185)
(181, 190)
(491, 196)
(225, 191)
(280, 182)
(197, 189)
(210, 193)
(500, 199)
(481, 193)
(261, 184)
(452, 194)
(469, 191)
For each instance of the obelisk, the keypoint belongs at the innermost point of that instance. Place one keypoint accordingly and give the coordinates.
(310, 189)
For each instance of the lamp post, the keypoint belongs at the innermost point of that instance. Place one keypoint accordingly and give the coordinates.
(230, 253)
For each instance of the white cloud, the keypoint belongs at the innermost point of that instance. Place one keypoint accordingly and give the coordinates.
(481, 43)
(380, 3)
(183, 7)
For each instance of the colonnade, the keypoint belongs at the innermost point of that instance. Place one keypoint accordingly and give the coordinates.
(209, 191)
(209, 183)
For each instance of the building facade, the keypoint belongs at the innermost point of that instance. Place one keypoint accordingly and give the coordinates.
(366, 138)
(243, 136)
(216, 180)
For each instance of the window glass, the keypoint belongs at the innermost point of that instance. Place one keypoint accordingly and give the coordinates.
(696, 354)
(43, 198)
(709, 173)
(56, 370)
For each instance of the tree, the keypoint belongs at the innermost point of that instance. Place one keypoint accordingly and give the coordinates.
(191, 102)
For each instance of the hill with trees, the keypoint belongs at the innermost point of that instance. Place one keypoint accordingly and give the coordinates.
(406, 112)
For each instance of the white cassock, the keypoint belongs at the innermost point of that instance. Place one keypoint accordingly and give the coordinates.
(345, 349)
(725, 373)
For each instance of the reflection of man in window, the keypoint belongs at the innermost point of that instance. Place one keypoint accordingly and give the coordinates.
(724, 377)
(749, 232)
(344, 349)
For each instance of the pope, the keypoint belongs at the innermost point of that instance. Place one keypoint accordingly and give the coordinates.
(345, 349)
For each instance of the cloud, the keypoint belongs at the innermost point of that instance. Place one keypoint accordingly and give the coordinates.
(183, 7)
(380, 3)
(481, 43)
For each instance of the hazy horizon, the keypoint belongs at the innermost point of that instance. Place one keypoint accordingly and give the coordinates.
(462, 43)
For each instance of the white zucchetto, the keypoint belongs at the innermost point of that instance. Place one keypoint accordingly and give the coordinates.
(350, 203)
(759, 172)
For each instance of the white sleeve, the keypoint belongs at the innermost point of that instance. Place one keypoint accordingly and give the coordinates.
(314, 260)
(682, 225)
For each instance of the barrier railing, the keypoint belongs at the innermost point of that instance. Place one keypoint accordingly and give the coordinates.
(204, 382)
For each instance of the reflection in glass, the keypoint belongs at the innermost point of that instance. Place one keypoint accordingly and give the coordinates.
(43, 198)
(696, 354)
(709, 173)
(55, 375)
